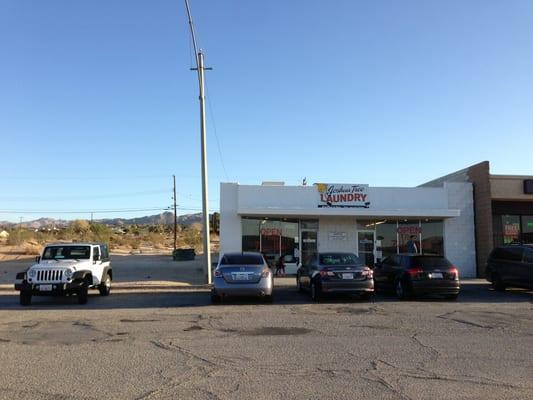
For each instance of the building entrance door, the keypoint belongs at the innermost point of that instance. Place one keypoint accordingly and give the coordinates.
(309, 246)
(365, 246)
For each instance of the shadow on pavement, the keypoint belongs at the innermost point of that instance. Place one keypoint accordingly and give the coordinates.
(286, 295)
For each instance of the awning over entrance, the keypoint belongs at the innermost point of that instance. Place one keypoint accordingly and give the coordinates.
(357, 212)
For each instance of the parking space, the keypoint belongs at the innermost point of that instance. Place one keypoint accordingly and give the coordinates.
(174, 344)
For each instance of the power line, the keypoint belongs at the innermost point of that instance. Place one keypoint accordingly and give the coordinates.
(81, 178)
(96, 211)
(211, 114)
(109, 196)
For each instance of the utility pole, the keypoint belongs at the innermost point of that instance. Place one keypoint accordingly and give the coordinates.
(200, 68)
(175, 216)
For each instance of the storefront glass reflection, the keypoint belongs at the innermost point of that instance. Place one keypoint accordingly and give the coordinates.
(273, 238)
(511, 229)
(409, 232)
(386, 232)
(432, 237)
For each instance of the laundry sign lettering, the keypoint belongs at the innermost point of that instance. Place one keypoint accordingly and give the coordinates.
(342, 195)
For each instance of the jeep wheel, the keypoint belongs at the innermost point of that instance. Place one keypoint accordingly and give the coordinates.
(25, 298)
(105, 287)
(83, 293)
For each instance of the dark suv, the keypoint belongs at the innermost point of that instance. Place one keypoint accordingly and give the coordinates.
(511, 266)
(417, 274)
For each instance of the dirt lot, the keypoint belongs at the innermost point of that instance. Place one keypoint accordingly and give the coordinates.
(140, 268)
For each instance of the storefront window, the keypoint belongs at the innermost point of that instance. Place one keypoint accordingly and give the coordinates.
(432, 237)
(250, 234)
(511, 229)
(386, 232)
(409, 236)
(527, 229)
(273, 238)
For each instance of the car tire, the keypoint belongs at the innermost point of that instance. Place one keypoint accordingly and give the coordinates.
(25, 298)
(497, 283)
(401, 290)
(83, 294)
(367, 296)
(452, 297)
(105, 287)
(215, 298)
(316, 291)
(269, 298)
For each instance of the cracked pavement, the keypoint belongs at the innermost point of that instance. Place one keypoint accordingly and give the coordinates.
(175, 345)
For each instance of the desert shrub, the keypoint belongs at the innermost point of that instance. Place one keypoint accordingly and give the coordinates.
(32, 248)
(18, 236)
(191, 238)
(80, 226)
(100, 232)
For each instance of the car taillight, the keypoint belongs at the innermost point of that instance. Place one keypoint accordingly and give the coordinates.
(367, 273)
(415, 272)
(218, 274)
(454, 272)
(324, 273)
(265, 273)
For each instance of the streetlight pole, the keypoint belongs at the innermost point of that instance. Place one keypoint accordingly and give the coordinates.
(205, 202)
(200, 68)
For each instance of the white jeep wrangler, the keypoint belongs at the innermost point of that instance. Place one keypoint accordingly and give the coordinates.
(66, 269)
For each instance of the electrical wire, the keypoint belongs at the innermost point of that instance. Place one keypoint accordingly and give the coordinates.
(94, 197)
(211, 114)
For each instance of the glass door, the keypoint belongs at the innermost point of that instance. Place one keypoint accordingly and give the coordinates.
(365, 246)
(309, 246)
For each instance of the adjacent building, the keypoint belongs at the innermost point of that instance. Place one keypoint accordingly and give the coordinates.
(462, 216)
(503, 208)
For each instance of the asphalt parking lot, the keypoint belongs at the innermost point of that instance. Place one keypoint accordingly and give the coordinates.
(176, 345)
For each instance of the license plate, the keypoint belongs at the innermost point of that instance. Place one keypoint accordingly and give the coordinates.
(436, 275)
(45, 288)
(241, 276)
(347, 276)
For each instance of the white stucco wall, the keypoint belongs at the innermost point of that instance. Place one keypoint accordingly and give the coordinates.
(230, 221)
(327, 225)
(459, 232)
(453, 202)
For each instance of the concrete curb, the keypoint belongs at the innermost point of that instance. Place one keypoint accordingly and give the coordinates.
(135, 286)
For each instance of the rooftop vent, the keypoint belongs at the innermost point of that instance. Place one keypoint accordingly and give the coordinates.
(273, 183)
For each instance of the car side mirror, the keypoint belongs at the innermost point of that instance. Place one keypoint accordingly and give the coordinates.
(96, 257)
(38, 259)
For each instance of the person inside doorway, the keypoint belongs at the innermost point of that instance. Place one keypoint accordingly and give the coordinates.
(411, 245)
(280, 267)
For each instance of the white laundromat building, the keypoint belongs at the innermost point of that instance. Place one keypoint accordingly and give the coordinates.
(296, 222)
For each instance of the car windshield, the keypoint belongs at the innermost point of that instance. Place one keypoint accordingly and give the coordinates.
(242, 259)
(431, 262)
(67, 253)
(339, 259)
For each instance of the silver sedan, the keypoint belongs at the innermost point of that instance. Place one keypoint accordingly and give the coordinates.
(242, 274)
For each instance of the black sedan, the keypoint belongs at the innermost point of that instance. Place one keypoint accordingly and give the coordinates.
(411, 275)
(335, 273)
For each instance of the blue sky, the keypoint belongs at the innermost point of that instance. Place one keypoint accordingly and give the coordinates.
(98, 107)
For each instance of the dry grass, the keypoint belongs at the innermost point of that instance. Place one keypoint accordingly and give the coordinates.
(32, 248)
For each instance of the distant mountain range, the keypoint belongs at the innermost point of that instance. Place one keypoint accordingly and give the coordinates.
(166, 218)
